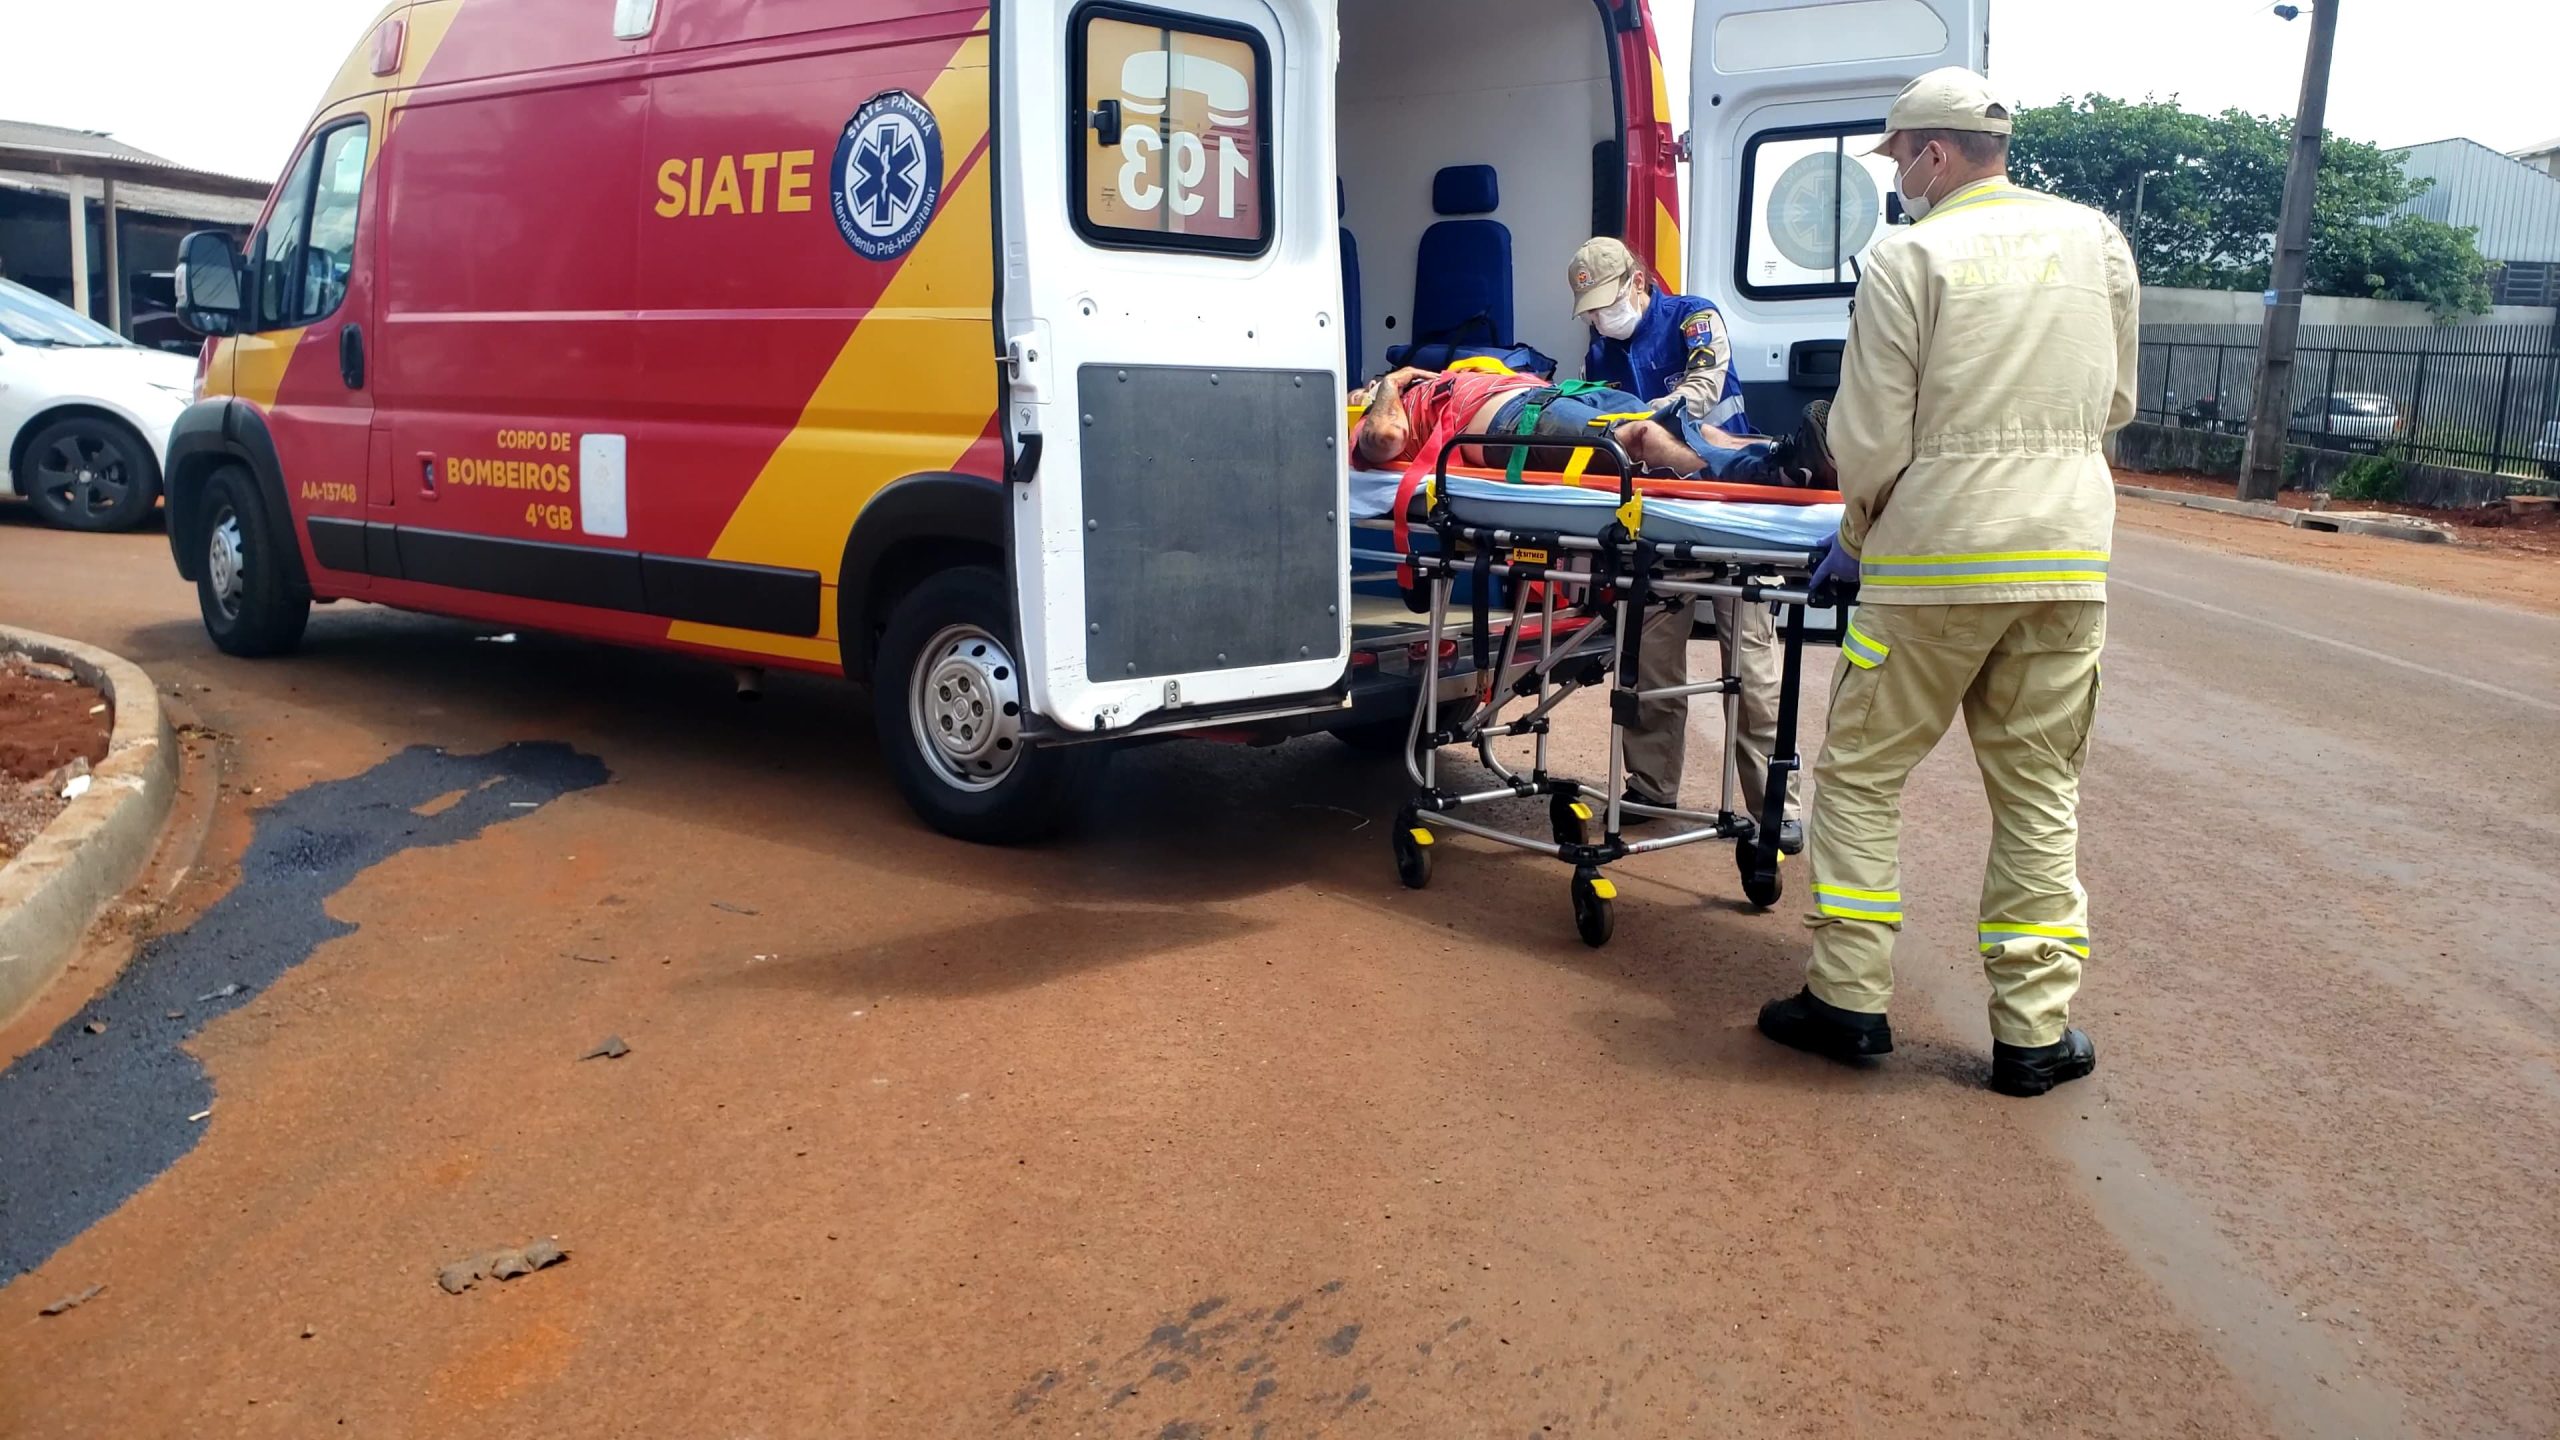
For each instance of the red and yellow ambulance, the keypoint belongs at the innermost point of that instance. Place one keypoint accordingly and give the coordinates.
(994, 355)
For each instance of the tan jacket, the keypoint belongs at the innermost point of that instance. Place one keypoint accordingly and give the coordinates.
(1992, 347)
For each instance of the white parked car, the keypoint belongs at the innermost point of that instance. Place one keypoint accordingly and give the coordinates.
(84, 414)
(2353, 420)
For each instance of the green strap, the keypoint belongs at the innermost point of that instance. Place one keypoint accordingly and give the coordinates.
(1529, 414)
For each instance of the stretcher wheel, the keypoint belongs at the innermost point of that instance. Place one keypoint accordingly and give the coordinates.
(1568, 816)
(1762, 885)
(1592, 917)
(1413, 850)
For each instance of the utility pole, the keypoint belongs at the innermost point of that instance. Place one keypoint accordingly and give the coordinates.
(2262, 473)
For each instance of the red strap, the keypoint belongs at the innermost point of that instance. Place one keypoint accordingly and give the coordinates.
(1425, 459)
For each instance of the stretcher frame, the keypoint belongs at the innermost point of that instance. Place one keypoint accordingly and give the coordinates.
(1620, 577)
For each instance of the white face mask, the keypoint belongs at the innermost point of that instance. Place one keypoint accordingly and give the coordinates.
(1617, 320)
(1916, 206)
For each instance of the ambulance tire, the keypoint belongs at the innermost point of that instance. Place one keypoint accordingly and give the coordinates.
(245, 588)
(946, 664)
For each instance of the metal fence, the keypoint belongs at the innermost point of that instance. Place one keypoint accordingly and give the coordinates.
(2466, 410)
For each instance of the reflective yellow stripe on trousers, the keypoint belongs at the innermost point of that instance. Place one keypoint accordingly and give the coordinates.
(1841, 902)
(1862, 652)
(1995, 934)
(1996, 568)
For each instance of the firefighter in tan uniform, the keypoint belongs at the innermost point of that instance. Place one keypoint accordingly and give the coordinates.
(1991, 349)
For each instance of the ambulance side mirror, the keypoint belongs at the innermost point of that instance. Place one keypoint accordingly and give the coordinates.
(207, 284)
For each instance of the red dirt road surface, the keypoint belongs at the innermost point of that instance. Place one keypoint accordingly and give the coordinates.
(1202, 1126)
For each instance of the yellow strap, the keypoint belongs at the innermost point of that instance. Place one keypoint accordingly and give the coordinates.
(1574, 467)
(1631, 514)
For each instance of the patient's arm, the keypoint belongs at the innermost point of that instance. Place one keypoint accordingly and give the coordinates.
(1385, 430)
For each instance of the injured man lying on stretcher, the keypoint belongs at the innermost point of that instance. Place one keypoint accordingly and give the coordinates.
(1411, 413)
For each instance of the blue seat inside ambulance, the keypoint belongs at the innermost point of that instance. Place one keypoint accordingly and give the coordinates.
(1461, 275)
(1350, 290)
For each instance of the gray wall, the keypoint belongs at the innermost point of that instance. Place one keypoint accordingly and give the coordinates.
(2162, 305)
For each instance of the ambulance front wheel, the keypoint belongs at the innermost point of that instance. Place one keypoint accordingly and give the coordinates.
(947, 700)
(245, 588)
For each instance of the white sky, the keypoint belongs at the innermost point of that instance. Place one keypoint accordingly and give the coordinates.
(226, 84)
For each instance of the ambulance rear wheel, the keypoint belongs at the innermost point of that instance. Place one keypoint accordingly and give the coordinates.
(244, 588)
(946, 695)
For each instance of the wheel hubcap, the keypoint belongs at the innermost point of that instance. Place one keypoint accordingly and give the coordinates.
(223, 562)
(81, 473)
(965, 702)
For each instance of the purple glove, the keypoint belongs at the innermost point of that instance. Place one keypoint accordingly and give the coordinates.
(1835, 574)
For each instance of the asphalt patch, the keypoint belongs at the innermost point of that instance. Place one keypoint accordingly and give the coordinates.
(89, 1118)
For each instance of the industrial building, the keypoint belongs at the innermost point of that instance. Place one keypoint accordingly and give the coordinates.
(2514, 206)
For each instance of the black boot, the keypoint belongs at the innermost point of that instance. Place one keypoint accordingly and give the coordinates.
(1813, 446)
(2034, 1069)
(1806, 1022)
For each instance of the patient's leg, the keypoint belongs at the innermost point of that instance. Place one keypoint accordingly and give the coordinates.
(1649, 443)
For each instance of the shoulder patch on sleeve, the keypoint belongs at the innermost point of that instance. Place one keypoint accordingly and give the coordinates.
(1700, 326)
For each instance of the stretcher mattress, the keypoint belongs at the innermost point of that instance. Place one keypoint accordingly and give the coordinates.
(1566, 509)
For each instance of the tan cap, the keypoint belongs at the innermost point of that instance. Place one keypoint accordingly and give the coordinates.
(1948, 98)
(1598, 272)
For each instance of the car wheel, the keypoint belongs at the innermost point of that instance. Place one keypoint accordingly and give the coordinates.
(89, 473)
(946, 699)
(244, 589)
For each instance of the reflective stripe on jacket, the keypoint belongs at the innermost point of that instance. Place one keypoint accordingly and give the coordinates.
(1992, 348)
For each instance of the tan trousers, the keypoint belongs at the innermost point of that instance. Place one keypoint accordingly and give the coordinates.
(2026, 677)
(1657, 746)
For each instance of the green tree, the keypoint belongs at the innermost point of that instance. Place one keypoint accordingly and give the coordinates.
(2411, 258)
(2212, 190)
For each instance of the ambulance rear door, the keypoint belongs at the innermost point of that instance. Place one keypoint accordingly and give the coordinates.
(1784, 96)
(1172, 356)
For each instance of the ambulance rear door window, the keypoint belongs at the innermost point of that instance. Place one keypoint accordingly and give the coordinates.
(1812, 205)
(1175, 145)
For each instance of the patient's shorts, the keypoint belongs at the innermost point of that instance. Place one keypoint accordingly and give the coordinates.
(1571, 416)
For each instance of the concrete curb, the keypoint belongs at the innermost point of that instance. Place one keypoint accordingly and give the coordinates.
(2380, 524)
(2251, 508)
(54, 888)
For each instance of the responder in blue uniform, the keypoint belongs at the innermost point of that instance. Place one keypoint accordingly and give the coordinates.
(1672, 349)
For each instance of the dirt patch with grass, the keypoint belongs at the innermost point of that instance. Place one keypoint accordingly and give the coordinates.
(2516, 562)
(52, 729)
(2494, 527)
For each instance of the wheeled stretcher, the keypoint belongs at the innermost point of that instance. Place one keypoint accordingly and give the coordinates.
(1584, 569)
